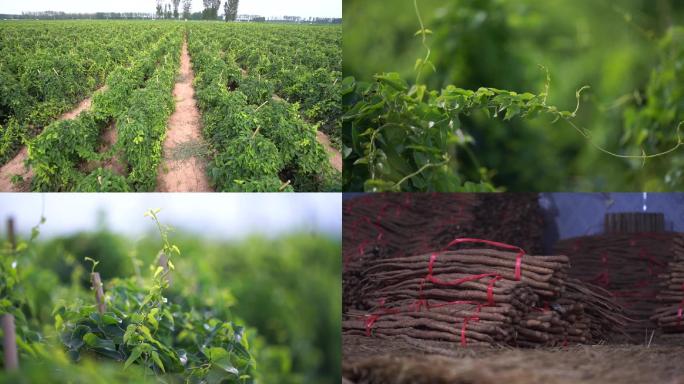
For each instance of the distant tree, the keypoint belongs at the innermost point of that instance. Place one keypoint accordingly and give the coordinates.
(231, 8)
(175, 8)
(211, 8)
(187, 4)
(167, 14)
(159, 9)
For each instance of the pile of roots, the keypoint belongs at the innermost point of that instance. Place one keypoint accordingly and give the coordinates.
(478, 297)
(669, 314)
(381, 226)
(628, 266)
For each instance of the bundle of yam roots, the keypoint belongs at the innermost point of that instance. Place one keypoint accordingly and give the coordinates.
(628, 266)
(380, 226)
(479, 297)
(409, 224)
(669, 314)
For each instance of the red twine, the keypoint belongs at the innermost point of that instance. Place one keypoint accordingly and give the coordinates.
(464, 327)
(421, 302)
(518, 257)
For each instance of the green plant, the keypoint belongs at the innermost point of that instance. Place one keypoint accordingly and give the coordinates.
(141, 326)
(258, 142)
(403, 137)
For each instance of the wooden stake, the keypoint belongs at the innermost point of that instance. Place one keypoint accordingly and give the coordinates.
(99, 295)
(9, 343)
(10, 233)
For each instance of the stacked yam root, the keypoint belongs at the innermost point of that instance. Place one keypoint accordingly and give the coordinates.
(387, 225)
(478, 297)
(626, 265)
(669, 315)
(390, 224)
(382, 222)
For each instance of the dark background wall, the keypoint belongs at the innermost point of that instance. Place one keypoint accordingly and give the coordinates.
(581, 214)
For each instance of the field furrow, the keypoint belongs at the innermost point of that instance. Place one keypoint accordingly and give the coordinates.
(183, 168)
(17, 170)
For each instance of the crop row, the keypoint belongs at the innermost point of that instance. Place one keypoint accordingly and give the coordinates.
(137, 102)
(45, 69)
(258, 142)
(301, 64)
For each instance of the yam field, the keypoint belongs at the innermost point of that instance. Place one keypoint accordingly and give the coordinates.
(156, 106)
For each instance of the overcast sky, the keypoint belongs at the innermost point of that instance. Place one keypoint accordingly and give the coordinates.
(322, 8)
(223, 215)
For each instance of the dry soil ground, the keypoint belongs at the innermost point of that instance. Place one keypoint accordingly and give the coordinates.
(377, 361)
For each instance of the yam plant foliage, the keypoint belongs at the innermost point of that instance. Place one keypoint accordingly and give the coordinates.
(258, 142)
(47, 70)
(138, 98)
(626, 135)
(409, 138)
(174, 325)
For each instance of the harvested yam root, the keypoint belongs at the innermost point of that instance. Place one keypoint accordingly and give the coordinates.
(669, 315)
(628, 266)
(479, 297)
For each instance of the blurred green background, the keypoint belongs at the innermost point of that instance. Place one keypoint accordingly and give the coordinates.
(630, 52)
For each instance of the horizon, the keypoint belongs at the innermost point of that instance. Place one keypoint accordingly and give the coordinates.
(265, 8)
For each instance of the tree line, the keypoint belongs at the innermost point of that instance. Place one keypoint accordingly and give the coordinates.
(170, 10)
(174, 10)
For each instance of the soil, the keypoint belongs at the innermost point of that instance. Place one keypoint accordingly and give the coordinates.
(113, 163)
(334, 155)
(183, 168)
(394, 361)
(16, 165)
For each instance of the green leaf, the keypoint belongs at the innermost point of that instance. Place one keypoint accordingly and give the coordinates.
(135, 354)
(136, 318)
(157, 360)
(215, 353)
(110, 319)
(97, 343)
(130, 331)
(159, 270)
(394, 80)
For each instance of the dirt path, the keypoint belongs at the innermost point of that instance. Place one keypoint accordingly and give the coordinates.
(16, 165)
(334, 155)
(183, 166)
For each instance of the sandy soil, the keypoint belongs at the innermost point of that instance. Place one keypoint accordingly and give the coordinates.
(16, 165)
(108, 140)
(334, 155)
(183, 167)
(387, 363)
